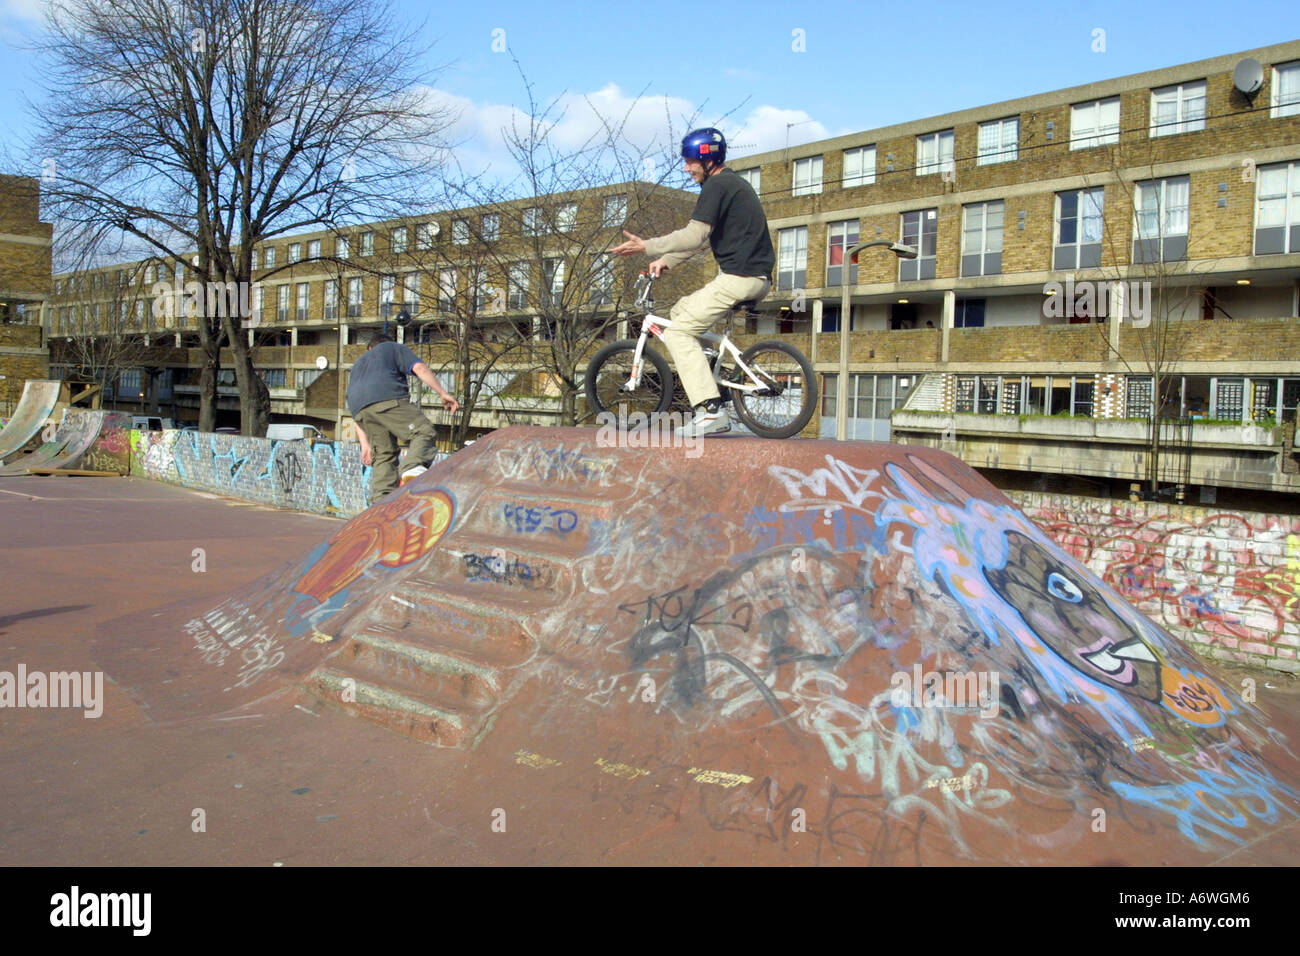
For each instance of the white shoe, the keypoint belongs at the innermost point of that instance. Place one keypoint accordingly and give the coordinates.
(412, 473)
(705, 423)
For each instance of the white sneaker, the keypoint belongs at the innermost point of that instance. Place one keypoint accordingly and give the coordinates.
(705, 423)
(412, 473)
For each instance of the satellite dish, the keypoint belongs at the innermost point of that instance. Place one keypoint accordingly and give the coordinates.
(434, 228)
(1248, 76)
(322, 362)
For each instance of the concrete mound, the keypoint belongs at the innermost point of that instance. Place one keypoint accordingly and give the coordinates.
(800, 651)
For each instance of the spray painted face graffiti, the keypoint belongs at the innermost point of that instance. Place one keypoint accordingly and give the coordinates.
(1072, 618)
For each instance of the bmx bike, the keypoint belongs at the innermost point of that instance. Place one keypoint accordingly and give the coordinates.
(771, 384)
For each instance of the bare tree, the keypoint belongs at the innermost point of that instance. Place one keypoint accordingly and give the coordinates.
(559, 217)
(201, 129)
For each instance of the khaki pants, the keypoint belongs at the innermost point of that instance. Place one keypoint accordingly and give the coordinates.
(385, 423)
(697, 313)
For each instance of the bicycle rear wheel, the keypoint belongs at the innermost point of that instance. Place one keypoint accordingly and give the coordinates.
(609, 372)
(788, 402)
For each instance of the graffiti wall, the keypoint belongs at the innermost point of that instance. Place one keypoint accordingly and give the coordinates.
(324, 478)
(1226, 582)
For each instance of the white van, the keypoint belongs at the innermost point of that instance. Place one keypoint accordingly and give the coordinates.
(293, 431)
(147, 423)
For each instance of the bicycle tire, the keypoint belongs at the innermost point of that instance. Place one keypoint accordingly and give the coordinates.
(791, 403)
(611, 368)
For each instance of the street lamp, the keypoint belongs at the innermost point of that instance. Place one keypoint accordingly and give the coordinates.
(842, 383)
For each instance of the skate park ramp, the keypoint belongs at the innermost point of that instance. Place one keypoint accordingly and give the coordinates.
(35, 408)
(770, 653)
(93, 439)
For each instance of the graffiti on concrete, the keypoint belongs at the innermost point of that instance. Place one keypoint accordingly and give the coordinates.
(1231, 580)
(534, 519)
(325, 478)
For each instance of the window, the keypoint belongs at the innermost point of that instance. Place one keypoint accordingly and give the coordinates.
(129, 384)
(354, 297)
(981, 239)
(969, 314)
(1078, 229)
(1160, 220)
(482, 291)
(259, 302)
(447, 282)
(1094, 124)
(859, 167)
(367, 243)
(792, 258)
(920, 229)
(180, 268)
(302, 302)
(602, 281)
(342, 247)
(808, 176)
(518, 285)
(282, 303)
(532, 221)
(399, 240)
(1178, 109)
(1285, 98)
(331, 299)
(553, 278)
(295, 251)
(839, 237)
(268, 257)
(752, 176)
(615, 211)
(460, 232)
(491, 227)
(313, 249)
(934, 153)
(566, 217)
(274, 377)
(999, 141)
(1277, 209)
(386, 286)
(424, 234)
(411, 292)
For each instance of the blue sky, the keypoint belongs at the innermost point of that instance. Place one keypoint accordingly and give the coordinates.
(786, 72)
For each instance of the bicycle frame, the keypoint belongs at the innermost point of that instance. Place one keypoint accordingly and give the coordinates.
(656, 325)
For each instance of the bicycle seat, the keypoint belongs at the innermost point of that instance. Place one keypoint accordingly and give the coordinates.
(748, 305)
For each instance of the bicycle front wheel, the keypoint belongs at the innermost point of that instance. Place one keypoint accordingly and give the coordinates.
(611, 369)
(788, 400)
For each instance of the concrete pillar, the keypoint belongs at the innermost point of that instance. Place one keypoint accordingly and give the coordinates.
(293, 337)
(1116, 312)
(949, 318)
(817, 310)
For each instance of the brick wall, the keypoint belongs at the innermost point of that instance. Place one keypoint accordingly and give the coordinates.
(1226, 582)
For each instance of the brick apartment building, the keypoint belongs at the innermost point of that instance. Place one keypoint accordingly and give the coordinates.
(1175, 180)
(25, 250)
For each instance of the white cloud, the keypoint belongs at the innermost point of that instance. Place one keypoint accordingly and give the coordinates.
(652, 126)
(24, 9)
(770, 127)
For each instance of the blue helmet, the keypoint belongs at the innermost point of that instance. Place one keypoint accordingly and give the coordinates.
(707, 145)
